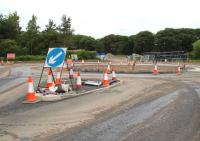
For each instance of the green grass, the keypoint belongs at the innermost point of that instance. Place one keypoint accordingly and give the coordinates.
(195, 60)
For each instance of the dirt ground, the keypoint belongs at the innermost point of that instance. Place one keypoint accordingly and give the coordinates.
(34, 122)
(55, 120)
(126, 68)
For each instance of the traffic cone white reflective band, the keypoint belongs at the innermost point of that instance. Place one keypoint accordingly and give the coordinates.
(83, 61)
(72, 64)
(78, 81)
(49, 79)
(30, 97)
(98, 62)
(108, 68)
(30, 85)
(178, 71)
(155, 71)
(58, 79)
(113, 75)
(65, 66)
(105, 78)
(71, 73)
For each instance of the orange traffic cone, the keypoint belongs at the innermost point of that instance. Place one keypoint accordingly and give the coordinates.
(71, 73)
(113, 74)
(178, 71)
(78, 81)
(30, 97)
(49, 79)
(58, 79)
(105, 78)
(155, 71)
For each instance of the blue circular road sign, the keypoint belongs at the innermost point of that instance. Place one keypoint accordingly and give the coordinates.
(55, 57)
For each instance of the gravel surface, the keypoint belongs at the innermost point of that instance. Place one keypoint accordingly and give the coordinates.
(170, 116)
(144, 108)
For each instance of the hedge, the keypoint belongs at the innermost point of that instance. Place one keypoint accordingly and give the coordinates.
(84, 54)
(81, 55)
(30, 58)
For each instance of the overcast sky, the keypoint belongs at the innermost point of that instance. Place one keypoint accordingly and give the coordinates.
(98, 18)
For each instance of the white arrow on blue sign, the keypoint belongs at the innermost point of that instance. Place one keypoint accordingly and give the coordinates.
(55, 57)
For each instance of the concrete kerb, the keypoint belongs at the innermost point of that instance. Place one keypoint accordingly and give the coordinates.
(110, 86)
(28, 102)
(72, 95)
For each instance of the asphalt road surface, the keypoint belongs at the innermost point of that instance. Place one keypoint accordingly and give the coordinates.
(143, 108)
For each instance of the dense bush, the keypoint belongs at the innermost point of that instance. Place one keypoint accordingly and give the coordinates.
(86, 54)
(30, 58)
(81, 55)
(195, 54)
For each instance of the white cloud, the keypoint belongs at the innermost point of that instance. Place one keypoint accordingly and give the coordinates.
(102, 17)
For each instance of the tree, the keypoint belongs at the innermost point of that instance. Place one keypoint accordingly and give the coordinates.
(165, 40)
(87, 43)
(8, 46)
(9, 26)
(116, 44)
(83, 42)
(99, 46)
(185, 37)
(50, 35)
(143, 42)
(51, 27)
(197, 33)
(65, 30)
(31, 35)
(175, 39)
(131, 43)
(196, 49)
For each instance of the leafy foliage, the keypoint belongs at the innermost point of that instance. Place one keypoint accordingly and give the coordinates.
(196, 50)
(116, 44)
(65, 30)
(30, 58)
(36, 42)
(143, 42)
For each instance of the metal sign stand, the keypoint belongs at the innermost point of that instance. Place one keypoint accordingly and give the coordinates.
(50, 70)
(42, 75)
(69, 76)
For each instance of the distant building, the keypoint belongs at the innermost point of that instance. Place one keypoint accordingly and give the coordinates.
(166, 56)
(137, 57)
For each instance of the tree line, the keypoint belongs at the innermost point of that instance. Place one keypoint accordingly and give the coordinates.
(33, 41)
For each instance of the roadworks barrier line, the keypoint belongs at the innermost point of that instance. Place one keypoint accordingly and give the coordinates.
(61, 96)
